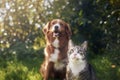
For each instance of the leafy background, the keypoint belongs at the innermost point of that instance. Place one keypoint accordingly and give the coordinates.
(22, 41)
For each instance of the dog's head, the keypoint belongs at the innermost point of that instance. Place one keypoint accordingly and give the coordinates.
(57, 26)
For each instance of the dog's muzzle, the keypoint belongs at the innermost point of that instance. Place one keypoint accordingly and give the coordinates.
(55, 34)
(56, 30)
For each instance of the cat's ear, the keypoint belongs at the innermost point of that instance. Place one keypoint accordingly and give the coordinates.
(70, 44)
(84, 45)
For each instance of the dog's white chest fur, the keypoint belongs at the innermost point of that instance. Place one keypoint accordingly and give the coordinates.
(56, 43)
(59, 65)
(54, 56)
(76, 68)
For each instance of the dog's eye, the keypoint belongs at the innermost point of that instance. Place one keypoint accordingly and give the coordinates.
(61, 24)
(53, 23)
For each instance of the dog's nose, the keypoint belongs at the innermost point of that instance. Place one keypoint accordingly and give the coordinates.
(56, 27)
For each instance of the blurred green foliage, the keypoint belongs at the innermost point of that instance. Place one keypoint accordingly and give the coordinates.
(22, 40)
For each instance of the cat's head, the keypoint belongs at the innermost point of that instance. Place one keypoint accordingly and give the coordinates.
(78, 53)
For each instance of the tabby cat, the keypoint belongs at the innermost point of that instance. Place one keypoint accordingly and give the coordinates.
(78, 68)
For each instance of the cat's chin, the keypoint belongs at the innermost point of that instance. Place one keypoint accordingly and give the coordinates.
(76, 60)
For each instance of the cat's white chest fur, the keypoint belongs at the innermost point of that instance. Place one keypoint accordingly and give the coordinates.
(54, 58)
(76, 68)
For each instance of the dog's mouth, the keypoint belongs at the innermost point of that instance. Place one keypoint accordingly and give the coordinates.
(56, 31)
(56, 34)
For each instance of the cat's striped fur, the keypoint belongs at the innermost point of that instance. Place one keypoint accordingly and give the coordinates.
(86, 74)
(78, 68)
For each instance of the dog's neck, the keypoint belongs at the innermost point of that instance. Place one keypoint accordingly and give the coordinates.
(55, 43)
(62, 51)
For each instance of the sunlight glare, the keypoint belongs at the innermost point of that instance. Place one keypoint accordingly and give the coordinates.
(14, 40)
(101, 22)
(2, 14)
(12, 10)
(10, 18)
(118, 18)
(2, 30)
(7, 44)
(5, 34)
(37, 25)
(27, 46)
(2, 49)
(1, 41)
(14, 52)
(11, 23)
(19, 7)
(30, 6)
(7, 5)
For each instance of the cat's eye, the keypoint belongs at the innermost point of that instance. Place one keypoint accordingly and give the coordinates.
(79, 51)
(71, 51)
(82, 53)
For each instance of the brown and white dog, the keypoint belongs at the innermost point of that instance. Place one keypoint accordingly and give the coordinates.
(57, 35)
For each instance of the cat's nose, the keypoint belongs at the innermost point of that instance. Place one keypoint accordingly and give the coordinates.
(75, 54)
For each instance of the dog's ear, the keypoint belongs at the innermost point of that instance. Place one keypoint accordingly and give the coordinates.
(46, 28)
(68, 30)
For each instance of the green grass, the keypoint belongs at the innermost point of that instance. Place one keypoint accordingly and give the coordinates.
(27, 67)
(21, 67)
(105, 67)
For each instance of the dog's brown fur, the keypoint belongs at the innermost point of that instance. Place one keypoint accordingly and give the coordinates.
(48, 69)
